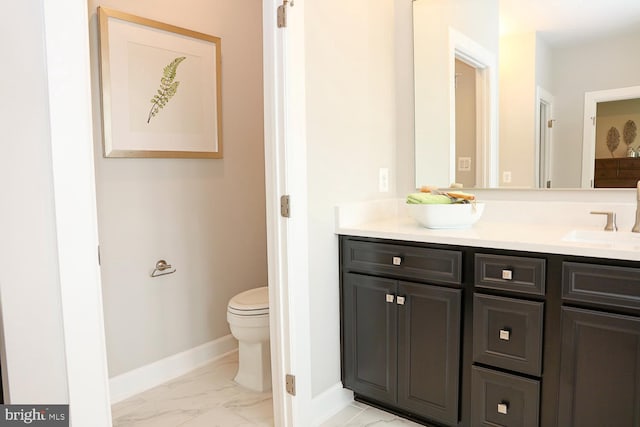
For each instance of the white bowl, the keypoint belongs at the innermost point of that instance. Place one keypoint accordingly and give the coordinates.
(446, 216)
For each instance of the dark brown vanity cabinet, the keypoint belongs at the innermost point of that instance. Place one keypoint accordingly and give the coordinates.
(600, 364)
(401, 339)
(507, 336)
(461, 336)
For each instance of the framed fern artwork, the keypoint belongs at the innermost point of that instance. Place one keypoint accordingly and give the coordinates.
(160, 89)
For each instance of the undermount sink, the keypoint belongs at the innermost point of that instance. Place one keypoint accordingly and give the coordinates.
(613, 239)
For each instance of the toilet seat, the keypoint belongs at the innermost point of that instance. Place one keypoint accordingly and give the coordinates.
(254, 302)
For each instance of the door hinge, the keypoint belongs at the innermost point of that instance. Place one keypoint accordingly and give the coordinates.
(282, 13)
(99, 260)
(285, 209)
(550, 123)
(290, 382)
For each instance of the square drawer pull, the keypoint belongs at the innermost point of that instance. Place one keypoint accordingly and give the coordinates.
(503, 408)
(507, 274)
(390, 298)
(397, 260)
(400, 300)
(505, 334)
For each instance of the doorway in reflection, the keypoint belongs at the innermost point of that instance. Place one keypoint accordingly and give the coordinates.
(544, 138)
(617, 162)
(465, 115)
(610, 138)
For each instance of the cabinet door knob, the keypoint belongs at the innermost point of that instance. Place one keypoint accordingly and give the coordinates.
(505, 334)
(390, 298)
(507, 274)
(503, 408)
(400, 300)
(397, 260)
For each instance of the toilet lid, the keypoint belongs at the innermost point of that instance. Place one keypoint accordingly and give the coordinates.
(251, 303)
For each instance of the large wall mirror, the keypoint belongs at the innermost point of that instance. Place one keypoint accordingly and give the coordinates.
(527, 93)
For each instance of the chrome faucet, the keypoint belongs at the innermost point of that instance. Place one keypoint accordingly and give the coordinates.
(636, 226)
(611, 220)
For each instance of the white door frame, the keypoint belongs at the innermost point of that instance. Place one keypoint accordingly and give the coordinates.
(543, 97)
(69, 84)
(76, 219)
(591, 100)
(286, 174)
(485, 63)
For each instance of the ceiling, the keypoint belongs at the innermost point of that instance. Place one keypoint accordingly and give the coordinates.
(562, 22)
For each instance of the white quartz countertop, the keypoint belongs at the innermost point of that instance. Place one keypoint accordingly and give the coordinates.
(498, 233)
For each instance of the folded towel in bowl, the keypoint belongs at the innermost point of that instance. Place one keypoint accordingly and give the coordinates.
(428, 199)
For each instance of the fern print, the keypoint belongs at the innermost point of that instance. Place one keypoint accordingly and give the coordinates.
(168, 87)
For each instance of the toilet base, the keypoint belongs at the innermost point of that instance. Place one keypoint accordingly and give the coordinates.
(254, 366)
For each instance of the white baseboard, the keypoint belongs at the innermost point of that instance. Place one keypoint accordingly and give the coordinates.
(151, 375)
(330, 402)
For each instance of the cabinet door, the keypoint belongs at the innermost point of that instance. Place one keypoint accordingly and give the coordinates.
(429, 351)
(600, 369)
(369, 336)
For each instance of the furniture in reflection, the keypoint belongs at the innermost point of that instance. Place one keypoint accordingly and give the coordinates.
(622, 172)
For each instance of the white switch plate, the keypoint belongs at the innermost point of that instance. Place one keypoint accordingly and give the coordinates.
(383, 180)
(464, 164)
(506, 177)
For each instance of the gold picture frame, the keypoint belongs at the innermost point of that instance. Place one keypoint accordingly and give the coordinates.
(161, 89)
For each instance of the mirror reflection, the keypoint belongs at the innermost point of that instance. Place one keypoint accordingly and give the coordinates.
(510, 93)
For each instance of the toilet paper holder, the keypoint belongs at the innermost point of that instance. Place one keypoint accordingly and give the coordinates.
(161, 269)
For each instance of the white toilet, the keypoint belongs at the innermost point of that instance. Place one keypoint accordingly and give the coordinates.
(248, 317)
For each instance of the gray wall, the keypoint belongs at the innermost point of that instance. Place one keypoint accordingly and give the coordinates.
(350, 135)
(606, 64)
(205, 217)
(433, 69)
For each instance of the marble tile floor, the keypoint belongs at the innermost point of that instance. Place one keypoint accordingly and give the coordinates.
(208, 397)
(204, 397)
(360, 415)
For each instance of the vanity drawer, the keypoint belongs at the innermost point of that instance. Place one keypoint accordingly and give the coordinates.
(605, 285)
(510, 273)
(507, 333)
(501, 399)
(424, 264)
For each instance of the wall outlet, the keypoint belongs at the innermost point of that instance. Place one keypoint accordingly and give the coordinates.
(383, 180)
(506, 177)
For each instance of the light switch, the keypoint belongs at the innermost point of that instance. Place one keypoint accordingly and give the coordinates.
(464, 164)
